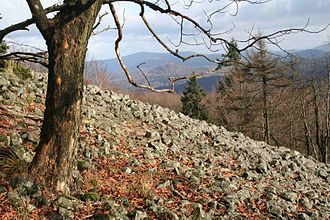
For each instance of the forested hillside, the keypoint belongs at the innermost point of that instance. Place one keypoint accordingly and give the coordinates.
(281, 100)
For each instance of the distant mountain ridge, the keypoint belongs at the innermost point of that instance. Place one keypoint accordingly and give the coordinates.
(324, 47)
(315, 52)
(159, 66)
(153, 59)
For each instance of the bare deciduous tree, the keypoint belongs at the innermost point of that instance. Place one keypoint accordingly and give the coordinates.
(97, 74)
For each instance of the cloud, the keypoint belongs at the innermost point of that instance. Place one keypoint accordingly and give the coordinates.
(272, 16)
(11, 13)
(286, 12)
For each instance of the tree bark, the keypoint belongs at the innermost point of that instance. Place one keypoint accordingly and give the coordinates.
(317, 116)
(308, 136)
(327, 140)
(266, 132)
(67, 39)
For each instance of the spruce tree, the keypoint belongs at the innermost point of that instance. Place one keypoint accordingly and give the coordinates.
(191, 100)
(250, 93)
(232, 57)
(234, 92)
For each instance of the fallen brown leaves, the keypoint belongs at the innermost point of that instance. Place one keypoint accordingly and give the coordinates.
(110, 177)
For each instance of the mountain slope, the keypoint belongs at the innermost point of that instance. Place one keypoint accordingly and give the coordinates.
(157, 66)
(140, 161)
(310, 53)
(152, 60)
(324, 47)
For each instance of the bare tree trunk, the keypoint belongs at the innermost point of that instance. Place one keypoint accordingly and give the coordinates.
(67, 45)
(317, 117)
(327, 121)
(291, 133)
(308, 137)
(265, 110)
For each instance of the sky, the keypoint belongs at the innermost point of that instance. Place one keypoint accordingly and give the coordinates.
(267, 18)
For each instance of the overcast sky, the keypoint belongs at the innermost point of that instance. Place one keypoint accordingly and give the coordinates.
(268, 17)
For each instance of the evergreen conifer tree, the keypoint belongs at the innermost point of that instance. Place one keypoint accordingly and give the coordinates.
(250, 93)
(191, 100)
(232, 57)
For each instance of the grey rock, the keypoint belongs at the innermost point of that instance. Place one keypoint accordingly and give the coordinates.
(139, 215)
(106, 146)
(306, 203)
(293, 166)
(127, 170)
(249, 175)
(16, 89)
(166, 139)
(67, 202)
(93, 90)
(194, 179)
(328, 179)
(311, 194)
(106, 126)
(290, 196)
(38, 112)
(15, 198)
(31, 136)
(229, 202)
(322, 173)
(303, 216)
(15, 139)
(160, 147)
(275, 210)
(198, 213)
(3, 81)
(154, 135)
(8, 95)
(66, 206)
(262, 167)
(164, 184)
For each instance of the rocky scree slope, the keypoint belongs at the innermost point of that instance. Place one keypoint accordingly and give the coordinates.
(141, 161)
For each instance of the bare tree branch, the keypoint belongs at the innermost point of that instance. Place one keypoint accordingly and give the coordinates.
(144, 75)
(124, 67)
(278, 34)
(108, 27)
(20, 26)
(24, 24)
(174, 53)
(26, 56)
(100, 20)
(39, 14)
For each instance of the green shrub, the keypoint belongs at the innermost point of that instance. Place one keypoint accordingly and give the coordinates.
(3, 49)
(81, 165)
(11, 163)
(3, 65)
(22, 72)
(91, 196)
